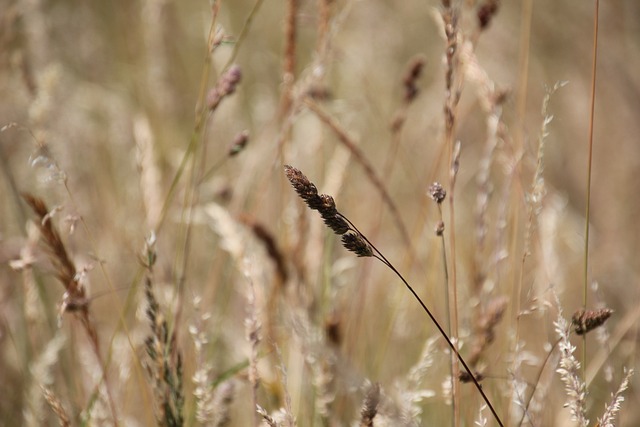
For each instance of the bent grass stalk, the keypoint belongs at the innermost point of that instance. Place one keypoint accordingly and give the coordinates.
(354, 241)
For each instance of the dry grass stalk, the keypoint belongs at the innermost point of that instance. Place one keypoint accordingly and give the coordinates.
(324, 17)
(150, 176)
(74, 299)
(289, 64)
(267, 238)
(253, 328)
(370, 405)
(155, 31)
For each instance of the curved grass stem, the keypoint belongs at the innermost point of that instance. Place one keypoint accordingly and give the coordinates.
(379, 255)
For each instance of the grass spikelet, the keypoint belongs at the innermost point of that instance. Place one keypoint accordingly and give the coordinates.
(150, 177)
(65, 270)
(225, 86)
(56, 407)
(355, 243)
(253, 328)
(268, 419)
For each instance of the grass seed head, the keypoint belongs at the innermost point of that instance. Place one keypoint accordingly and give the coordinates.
(437, 192)
(355, 243)
(584, 321)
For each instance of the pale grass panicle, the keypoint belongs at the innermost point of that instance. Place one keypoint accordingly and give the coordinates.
(569, 371)
(612, 409)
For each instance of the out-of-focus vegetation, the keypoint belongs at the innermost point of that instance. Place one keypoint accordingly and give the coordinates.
(108, 116)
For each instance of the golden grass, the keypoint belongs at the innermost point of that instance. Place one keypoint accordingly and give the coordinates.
(149, 140)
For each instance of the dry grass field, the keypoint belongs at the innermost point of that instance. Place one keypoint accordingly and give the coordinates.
(160, 265)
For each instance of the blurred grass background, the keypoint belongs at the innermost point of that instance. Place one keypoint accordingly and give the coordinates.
(90, 80)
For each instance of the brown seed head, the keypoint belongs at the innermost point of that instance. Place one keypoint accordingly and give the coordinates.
(464, 376)
(437, 193)
(584, 321)
(439, 228)
(337, 224)
(370, 406)
(305, 189)
(355, 243)
(239, 142)
(328, 205)
(486, 12)
(411, 77)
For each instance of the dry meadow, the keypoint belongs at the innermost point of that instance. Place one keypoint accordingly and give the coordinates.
(319, 213)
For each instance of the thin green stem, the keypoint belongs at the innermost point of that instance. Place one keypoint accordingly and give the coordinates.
(589, 164)
(446, 299)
